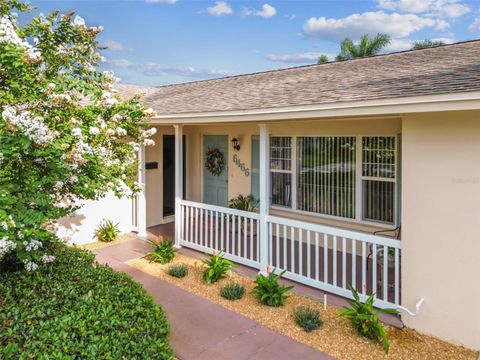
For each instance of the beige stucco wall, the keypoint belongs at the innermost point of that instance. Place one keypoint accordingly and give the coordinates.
(440, 224)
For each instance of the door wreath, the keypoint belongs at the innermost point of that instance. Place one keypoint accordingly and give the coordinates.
(215, 161)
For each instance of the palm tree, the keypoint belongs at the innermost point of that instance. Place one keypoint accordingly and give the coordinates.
(367, 47)
(423, 44)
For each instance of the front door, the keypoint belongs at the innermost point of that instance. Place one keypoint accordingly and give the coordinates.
(215, 187)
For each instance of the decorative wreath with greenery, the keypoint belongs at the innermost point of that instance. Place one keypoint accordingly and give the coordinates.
(215, 161)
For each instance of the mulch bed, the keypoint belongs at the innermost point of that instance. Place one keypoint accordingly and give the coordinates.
(336, 337)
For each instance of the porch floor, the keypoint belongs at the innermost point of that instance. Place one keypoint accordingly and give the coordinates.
(168, 230)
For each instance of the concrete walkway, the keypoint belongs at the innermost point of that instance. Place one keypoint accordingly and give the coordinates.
(201, 329)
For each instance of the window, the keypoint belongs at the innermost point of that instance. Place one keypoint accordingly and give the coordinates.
(326, 175)
(352, 177)
(378, 178)
(281, 170)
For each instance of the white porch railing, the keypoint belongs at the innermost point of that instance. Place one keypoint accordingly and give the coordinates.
(211, 228)
(320, 256)
(330, 259)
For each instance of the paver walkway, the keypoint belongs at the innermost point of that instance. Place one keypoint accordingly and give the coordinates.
(201, 329)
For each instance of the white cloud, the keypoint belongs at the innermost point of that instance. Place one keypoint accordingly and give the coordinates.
(267, 11)
(475, 26)
(355, 25)
(161, 1)
(220, 8)
(290, 17)
(438, 8)
(151, 68)
(307, 57)
(116, 46)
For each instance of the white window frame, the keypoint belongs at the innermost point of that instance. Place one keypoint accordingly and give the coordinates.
(358, 181)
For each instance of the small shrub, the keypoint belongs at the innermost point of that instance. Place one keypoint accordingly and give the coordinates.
(107, 231)
(365, 320)
(269, 291)
(308, 318)
(232, 291)
(217, 267)
(178, 270)
(163, 252)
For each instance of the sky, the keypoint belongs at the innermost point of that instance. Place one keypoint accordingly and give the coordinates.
(159, 42)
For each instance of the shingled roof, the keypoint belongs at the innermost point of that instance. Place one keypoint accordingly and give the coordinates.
(440, 70)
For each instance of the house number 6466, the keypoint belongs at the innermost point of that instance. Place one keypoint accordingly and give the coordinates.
(241, 165)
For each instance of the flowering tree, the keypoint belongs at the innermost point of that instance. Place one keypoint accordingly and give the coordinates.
(65, 134)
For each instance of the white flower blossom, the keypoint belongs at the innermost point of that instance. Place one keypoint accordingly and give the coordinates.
(94, 130)
(121, 132)
(58, 185)
(111, 102)
(73, 179)
(150, 132)
(78, 21)
(1, 157)
(32, 245)
(9, 35)
(116, 118)
(4, 225)
(149, 112)
(56, 98)
(77, 132)
(32, 127)
(148, 142)
(30, 266)
(6, 246)
(46, 259)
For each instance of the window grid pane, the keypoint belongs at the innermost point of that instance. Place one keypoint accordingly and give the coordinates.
(378, 184)
(281, 189)
(326, 175)
(281, 153)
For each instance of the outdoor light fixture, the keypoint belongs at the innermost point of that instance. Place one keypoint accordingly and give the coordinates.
(235, 143)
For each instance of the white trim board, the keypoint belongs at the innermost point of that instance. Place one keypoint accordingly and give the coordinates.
(396, 106)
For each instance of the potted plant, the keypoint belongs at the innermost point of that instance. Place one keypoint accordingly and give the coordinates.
(245, 203)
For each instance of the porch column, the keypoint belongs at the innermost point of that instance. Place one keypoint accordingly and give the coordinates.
(178, 182)
(141, 198)
(264, 195)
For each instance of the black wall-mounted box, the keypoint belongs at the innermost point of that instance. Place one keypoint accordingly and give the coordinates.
(151, 165)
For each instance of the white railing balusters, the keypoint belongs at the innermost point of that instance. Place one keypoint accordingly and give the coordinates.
(364, 268)
(344, 263)
(210, 228)
(325, 258)
(308, 254)
(385, 273)
(397, 276)
(335, 268)
(354, 263)
(317, 258)
(374, 268)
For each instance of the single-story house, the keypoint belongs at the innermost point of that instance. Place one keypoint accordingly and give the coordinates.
(367, 173)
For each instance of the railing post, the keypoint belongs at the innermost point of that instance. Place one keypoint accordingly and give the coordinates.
(178, 182)
(141, 199)
(264, 196)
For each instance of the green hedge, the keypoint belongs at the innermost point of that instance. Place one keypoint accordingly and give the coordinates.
(78, 309)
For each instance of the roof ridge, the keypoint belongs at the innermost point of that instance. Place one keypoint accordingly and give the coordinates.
(330, 63)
